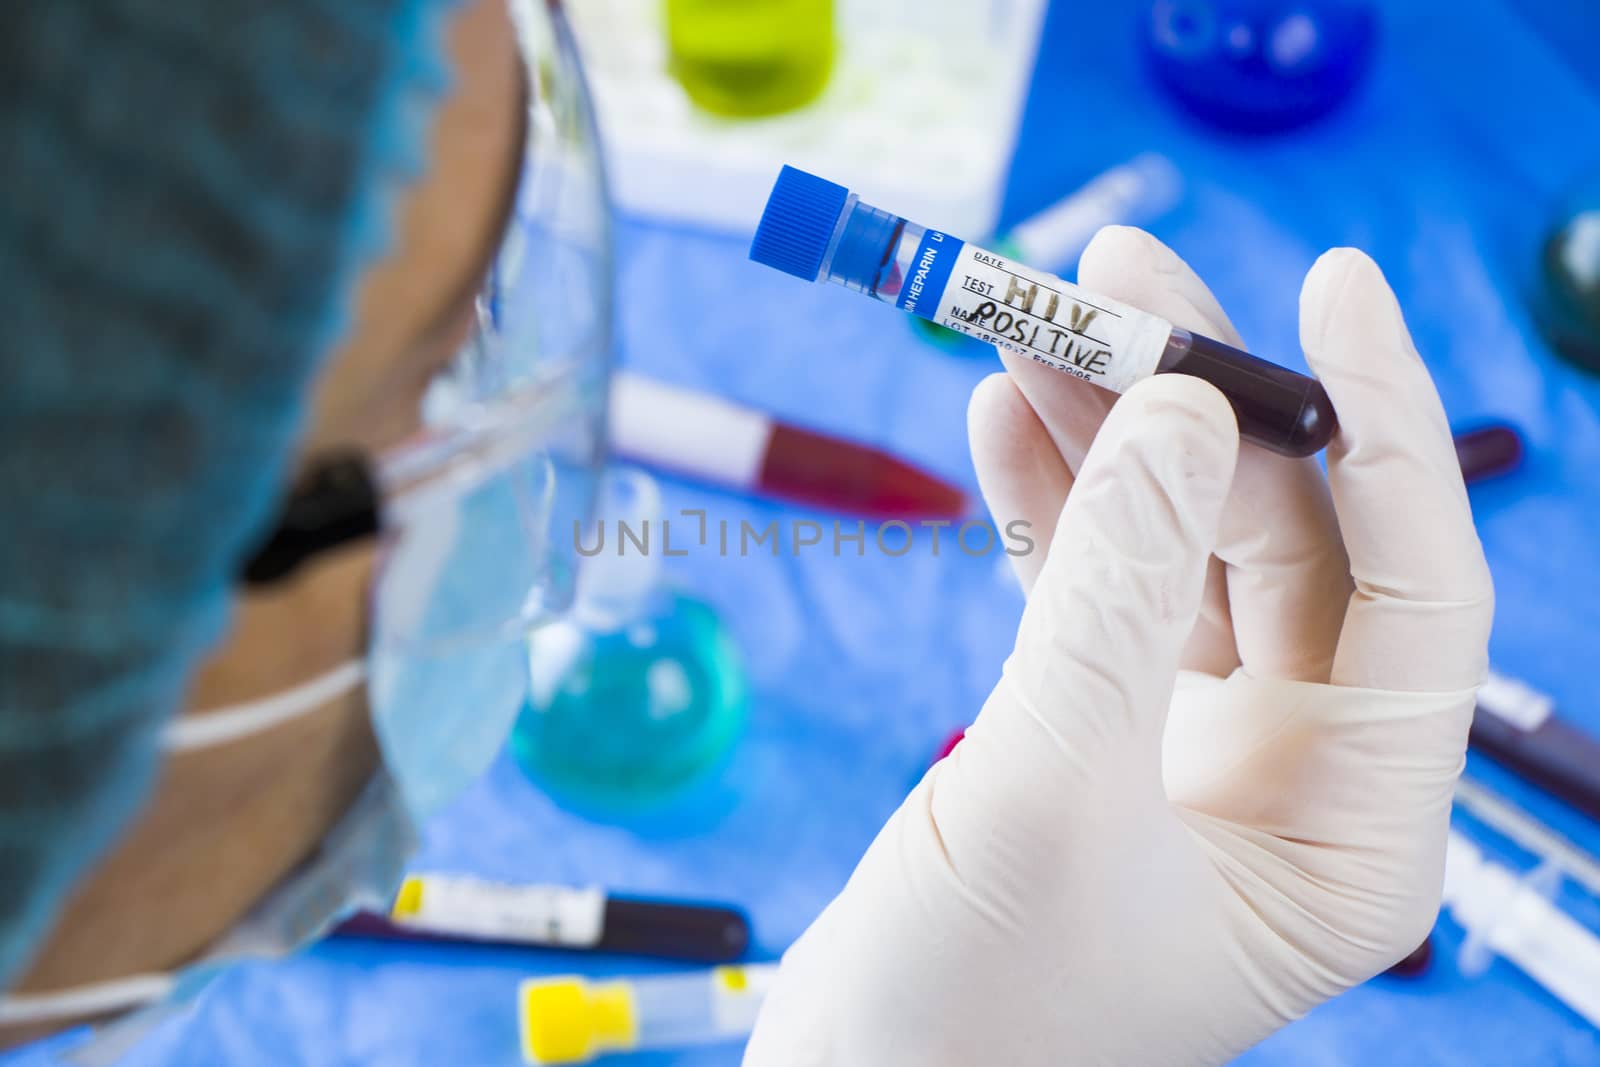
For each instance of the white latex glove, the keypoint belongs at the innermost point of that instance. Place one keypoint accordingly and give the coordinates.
(1211, 789)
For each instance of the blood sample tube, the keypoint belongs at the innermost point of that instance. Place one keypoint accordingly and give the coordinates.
(815, 229)
(716, 441)
(442, 907)
(1488, 451)
(1416, 964)
(1516, 726)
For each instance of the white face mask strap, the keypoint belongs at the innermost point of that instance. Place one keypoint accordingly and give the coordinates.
(207, 729)
(96, 998)
(196, 730)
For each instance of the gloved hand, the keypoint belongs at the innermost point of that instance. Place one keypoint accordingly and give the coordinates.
(1211, 789)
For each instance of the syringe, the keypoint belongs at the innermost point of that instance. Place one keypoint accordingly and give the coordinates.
(815, 229)
(570, 1019)
(1512, 915)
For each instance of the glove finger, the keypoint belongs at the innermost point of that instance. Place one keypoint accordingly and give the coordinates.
(1025, 480)
(1419, 617)
(1287, 577)
(1117, 263)
(1098, 648)
(1211, 648)
(1070, 411)
(1020, 472)
(1133, 266)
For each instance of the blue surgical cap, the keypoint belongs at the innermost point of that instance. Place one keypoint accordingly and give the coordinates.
(188, 191)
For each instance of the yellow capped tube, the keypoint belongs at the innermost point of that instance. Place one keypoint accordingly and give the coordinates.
(570, 1019)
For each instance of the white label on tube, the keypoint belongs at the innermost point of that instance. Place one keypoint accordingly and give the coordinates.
(529, 914)
(1050, 321)
(687, 432)
(1517, 703)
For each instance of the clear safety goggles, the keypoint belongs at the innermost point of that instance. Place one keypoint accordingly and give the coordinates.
(513, 428)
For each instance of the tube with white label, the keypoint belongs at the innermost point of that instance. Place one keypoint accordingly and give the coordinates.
(451, 907)
(571, 1019)
(818, 230)
(1516, 726)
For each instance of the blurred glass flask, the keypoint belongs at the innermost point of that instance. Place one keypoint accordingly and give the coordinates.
(638, 692)
(1260, 66)
(749, 58)
(1570, 279)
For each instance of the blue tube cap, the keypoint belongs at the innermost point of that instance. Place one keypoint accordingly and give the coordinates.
(798, 224)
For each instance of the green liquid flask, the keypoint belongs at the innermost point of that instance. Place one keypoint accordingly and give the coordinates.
(748, 58)
(638, 693)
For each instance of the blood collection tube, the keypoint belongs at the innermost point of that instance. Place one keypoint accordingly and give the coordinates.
(1416, 963)
(442, 907)
(1516, 726)
(717, 441)
(1488, 451)
(815, 229)
(570, 1019)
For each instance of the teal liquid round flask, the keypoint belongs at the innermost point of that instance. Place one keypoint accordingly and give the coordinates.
(638, 693)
